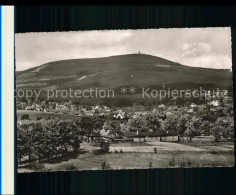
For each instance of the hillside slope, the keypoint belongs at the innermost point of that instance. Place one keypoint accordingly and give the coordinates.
(113, 72)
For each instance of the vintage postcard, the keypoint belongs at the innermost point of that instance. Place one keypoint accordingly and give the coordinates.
(124, 99)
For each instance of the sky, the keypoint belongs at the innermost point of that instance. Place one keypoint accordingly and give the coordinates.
(198, 47)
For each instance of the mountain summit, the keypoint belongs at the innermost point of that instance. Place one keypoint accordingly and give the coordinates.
(139, 70)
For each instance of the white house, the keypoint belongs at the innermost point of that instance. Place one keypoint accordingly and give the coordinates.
(193, 105)
(214, 103)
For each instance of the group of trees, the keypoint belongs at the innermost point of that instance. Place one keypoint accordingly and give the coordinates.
(51, 138)
(186, 125)
(222, 128)
(89, 126)
(46, 139)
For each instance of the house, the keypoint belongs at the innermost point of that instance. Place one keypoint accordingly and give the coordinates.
(214, 103)
(193, 105)
(107, 110)
(162, 106)
(62, 108)
(190, 110)
(29, 107)
(119, 116)
(37, 107)
(168, 114)
(88, 113)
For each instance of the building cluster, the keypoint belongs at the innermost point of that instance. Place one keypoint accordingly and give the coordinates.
(119, 113)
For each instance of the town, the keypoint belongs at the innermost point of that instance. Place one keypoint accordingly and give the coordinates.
(101, 129)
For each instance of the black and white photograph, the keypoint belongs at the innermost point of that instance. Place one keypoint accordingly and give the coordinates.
(124, 99)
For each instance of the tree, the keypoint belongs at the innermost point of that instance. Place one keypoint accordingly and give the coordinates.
(90, 124)
(98, 123)
(197, 126)
(69, 136)
(47, 139)
(114, 127)
(24, 141)
(86, 125)
(171, 123)
(206, 128)
(139, 124)
(153, 122)
(104, 145)
(217, 132)
(194, 127)
(40, 139)
(228, 128)
(181, 124)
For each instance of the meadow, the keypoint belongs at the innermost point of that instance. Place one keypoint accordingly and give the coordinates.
(143, 156)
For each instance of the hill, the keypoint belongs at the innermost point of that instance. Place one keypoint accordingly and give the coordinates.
(138, 70)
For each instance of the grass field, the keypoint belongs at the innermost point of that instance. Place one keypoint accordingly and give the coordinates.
(33, 115)
(142, 156)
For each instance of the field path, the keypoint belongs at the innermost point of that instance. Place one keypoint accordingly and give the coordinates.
(160, 146)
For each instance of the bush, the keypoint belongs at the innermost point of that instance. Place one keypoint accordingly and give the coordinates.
(121, 151)
(25, 117)
(155, 150)
(105, 166)
(186, 163)
(182, 164)
(172, 162)
(217, 132)
(116, 151)
(71, 168)
(39, 118)
(105, 146)
(150, 164)
(189, 163)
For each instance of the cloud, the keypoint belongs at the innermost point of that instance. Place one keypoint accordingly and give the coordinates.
(195, 49)
(204, 47)
(209, 61)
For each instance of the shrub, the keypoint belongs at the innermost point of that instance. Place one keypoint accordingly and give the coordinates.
(185, 163)
(172, 162)
(71, 168)
(217, 132)
(116, 151)
(39, 118)
(121, 151)
(104, 145)
(25, 117)
(105, 166)
(189, 163)
(150, 164)
(182, 164)
(214, 152)
(155, 150)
